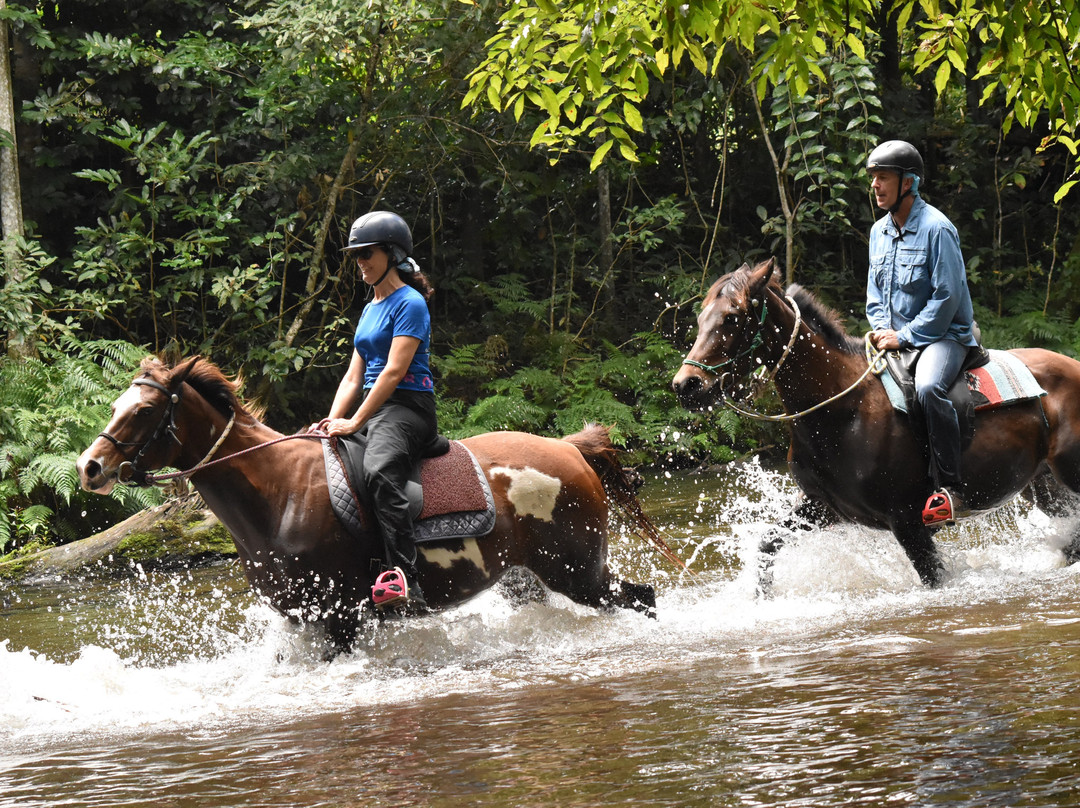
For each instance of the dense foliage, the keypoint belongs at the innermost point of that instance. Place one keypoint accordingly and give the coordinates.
(190, 169)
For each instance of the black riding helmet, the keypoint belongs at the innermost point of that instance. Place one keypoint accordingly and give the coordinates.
(896, 155)
(899, 156)
(383, 228)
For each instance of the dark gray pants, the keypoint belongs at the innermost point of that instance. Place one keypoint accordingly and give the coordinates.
(397, 436)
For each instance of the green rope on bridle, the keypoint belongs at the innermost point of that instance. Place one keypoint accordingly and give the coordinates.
(754, 345)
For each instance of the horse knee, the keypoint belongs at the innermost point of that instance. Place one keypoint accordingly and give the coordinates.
(522, 586)
(340, 635)
(808, 515)
(1072, 551)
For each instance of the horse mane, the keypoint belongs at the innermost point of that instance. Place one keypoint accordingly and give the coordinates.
(824, 321)
(209, 381)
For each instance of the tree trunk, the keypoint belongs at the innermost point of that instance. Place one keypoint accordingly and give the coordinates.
(11, 213)
(607, 247)
(10, 194)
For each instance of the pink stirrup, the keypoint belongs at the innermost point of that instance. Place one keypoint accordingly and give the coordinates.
(390, 588)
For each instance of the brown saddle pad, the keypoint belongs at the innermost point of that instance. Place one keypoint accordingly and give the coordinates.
(450, 495)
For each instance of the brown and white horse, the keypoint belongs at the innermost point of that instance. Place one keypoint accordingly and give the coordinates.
(550, 498)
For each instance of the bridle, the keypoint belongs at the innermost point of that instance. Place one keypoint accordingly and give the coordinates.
(756, 343)
(873, 360)
(128, 472)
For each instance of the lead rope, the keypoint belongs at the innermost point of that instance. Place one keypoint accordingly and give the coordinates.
(875, 359)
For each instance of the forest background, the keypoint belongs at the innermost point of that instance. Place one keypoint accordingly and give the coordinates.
(575, 174)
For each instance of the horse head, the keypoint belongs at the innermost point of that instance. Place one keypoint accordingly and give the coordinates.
(142, 434)
(729, 335)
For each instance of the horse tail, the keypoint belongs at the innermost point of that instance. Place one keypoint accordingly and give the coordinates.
(620, 484)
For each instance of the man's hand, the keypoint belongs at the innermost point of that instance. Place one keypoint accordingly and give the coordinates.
(886, 340)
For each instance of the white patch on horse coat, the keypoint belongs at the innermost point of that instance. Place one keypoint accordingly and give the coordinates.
(531, 492)
(446, 558)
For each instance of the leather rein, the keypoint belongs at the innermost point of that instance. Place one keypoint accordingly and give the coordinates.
(129, 473)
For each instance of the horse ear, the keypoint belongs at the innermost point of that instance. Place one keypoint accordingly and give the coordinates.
(180, 372)
(760, 276)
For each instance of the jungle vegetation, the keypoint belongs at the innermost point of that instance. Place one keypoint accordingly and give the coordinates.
(576, 173)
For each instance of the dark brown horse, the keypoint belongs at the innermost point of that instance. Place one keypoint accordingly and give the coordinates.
(855, 457)
(551, 504)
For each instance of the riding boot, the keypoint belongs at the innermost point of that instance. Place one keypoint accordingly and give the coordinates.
(417, 603)
(396, 435)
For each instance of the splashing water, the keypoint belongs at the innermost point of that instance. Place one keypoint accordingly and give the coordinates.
(196, 650)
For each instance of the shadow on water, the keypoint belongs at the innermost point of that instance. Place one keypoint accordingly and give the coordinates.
(854, 685)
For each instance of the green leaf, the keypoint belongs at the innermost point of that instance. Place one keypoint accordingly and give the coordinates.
(493, 97)
(600, 154)
(628, 153)
(1064, 189)
(941, 80)
(632, 116)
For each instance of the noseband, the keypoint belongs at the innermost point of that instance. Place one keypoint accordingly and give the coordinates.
(129, 472)
(756, 343)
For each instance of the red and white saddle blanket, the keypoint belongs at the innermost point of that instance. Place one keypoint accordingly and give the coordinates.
(1001, 381)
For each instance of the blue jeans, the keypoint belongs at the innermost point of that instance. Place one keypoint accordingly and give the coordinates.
(939, 365)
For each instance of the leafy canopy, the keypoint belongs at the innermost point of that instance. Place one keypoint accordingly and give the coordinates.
(587, 65)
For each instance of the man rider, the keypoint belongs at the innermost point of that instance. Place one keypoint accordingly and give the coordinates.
(917, 297)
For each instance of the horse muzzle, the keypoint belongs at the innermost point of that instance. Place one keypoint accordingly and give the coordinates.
(95, 475)
(694, 389)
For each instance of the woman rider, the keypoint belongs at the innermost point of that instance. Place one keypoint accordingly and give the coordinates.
(388, 391)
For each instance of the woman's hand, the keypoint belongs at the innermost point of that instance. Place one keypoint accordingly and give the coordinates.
(335, 426)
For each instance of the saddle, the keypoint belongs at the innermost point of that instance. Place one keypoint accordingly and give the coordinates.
(987, 380)
(449, 496)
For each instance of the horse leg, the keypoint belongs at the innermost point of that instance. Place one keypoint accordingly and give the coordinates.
(639, 597)
(602, 590)
(521, 586)
(810, 514)
(340, 628)
(1049, 495)
(917, 541)
(1054, 498)
(581, 573)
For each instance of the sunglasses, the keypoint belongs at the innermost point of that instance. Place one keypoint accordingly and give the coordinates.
(364, 253)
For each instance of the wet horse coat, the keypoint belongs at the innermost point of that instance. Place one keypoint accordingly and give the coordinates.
(272, 495)
(855, 458)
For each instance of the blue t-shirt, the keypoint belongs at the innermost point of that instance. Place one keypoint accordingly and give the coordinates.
(402, 314)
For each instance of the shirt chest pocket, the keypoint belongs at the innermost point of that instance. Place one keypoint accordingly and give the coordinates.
(912, 272)
(878, 269)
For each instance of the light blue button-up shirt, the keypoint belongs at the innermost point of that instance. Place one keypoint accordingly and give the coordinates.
(917, 285)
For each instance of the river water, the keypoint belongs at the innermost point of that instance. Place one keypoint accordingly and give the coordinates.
(853, 685)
